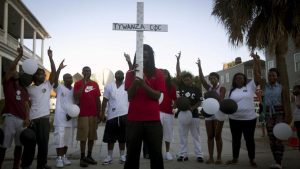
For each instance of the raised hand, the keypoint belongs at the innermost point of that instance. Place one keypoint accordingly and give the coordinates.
(127, 57)
(50, 52)
(178, 55)
(61, 65)
(255, 57)
(198, 62)
(20, 50)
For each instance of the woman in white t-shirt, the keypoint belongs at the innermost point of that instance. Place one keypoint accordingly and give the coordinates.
(243, 121)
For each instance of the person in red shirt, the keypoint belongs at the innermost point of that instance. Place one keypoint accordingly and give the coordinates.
(143, 114)
(87, 95)
(166, 112)
(15, 111)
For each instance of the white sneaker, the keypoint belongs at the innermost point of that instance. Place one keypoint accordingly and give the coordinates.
(59, 162)
(107, 160)
(66, 160)
(122, 159)
(168, 156)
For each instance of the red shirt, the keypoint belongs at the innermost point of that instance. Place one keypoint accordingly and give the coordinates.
(141, 106)
(15, 98)
(88, 98)
(169, 97)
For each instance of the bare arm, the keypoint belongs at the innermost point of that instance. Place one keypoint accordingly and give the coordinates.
(26, 121)
(201, 76)
(98, 108)
(256, 68)
(222, 93)
(78, 93)
(103, 107)
(61, 66)
(12, 68)
(178, 70)
(53, 68)
(131, 91)
(127, 57)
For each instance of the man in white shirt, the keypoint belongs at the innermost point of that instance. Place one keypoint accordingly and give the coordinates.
(117, 109)
(39, 94)
(62, 121)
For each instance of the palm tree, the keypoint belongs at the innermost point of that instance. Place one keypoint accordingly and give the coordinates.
(265, 25)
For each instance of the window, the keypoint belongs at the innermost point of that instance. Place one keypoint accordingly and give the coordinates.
(222, 79)
(250, 73)
(297, 62)
(271, 64)
(227, 77)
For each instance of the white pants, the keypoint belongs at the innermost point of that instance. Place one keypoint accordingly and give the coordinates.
(167, 123)
(62, 137)
(183, 129)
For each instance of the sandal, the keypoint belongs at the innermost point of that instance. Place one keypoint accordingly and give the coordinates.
(209, 161)
(233, 161)
(253, 164)
(219, 162)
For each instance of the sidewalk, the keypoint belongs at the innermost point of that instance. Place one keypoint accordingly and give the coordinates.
(263, 154)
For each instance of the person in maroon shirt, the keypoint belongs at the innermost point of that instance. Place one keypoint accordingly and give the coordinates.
(143, 114)
(15, 111)
(166, 113)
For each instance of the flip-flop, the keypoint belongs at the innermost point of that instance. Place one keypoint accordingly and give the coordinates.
(233, 161)
(210, 161)
(218, 162)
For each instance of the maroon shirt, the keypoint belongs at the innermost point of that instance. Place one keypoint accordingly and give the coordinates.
(15, 98)
(169, 98)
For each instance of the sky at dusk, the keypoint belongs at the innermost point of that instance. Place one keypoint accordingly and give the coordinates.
(81, 33)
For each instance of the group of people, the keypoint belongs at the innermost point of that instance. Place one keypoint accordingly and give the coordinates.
(138, 111)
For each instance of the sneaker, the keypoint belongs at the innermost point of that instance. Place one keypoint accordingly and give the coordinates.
(182, 158)
(44, 167)
(107, 160)
(66, 160)
(275, 166)
(168, 156)
(83, 163)
(200, 159)
(122, 159)
(59, 162)
(90, 160)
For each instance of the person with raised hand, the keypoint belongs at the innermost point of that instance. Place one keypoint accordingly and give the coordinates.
(15, 111)
(39, 93)
(63, 123)
(213, 126)
(186, 89)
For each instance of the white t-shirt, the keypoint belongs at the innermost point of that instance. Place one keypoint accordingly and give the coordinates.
(40, 100)
(296, 114)
(64, 97)
(117, 100)
(244, 97)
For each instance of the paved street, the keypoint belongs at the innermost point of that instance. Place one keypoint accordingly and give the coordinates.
(263, 155)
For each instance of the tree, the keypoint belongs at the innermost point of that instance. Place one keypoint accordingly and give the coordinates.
(265, 25)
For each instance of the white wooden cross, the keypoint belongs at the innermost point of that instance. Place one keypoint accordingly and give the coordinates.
(140, 27)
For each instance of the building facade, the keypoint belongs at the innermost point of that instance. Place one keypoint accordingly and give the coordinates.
(19, 26)
(292, 62)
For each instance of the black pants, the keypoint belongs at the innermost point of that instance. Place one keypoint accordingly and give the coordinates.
(151, 132)
(247, 128)
(41, 128)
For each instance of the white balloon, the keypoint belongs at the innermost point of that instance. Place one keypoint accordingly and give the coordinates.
(211, 106)
(161, 98)
(30, 66)
(220, 116)
(282, 131)
(73, 110)
(185, 117)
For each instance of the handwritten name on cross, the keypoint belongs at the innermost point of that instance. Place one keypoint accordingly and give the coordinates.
(140, 27)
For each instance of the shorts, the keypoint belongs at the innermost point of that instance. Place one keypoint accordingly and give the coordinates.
(87, 128)
(12, 128)
(115, 130)
(167, 124)
(62, 137)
